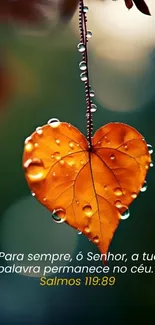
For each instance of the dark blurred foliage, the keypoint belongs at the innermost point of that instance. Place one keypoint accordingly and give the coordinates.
(140, 4)
(32, 11)
(6, 80)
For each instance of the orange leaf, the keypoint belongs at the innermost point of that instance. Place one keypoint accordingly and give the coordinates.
(87, 189)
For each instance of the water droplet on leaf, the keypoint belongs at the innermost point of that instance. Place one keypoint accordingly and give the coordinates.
(71, 145)
(59, 215)
(35, 170)
(134, 195)
(150, 148)
(39, 130)
(151, 164)
(112, 157)
(125, 215)
(118, 204)
(87, 209)
(29, 146)
(57, 155)
(118, 191)
(96, 239)
(57, 141)
(54, 122)
(144, 187)
(87, 230)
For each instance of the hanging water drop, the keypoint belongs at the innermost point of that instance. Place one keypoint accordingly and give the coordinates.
(79, 232)
(54, 122)
(89, 34)
(82, 65)
(85, 9)
(91, 93)
(151, 164)
(81, 47)
(33, 194)
(125, 215)
(93, 108)
(83, 76)
(150, 148)
(144, 187)
(59, 215)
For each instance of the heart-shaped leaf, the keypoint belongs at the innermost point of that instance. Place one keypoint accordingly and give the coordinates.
(88, 189)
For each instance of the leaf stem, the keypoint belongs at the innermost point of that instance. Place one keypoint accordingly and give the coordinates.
(84, 41)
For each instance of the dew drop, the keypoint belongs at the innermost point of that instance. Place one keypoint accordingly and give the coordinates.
(112, 157)
(39, 130)
(144, 187)
(150, 148)
(125, 215)
(82, 162)
(87, 230)
(134, 195)
(71, 145)
(57, 141)
(118, 204)
(56, 155)
(28, 139)
(54, 174)
(93, 108)
(61, 162)
(83, 65)
(92, 93)
(81, 47)
(151, 164)
(83, 76)
(79, 232)
(44, 199)
(147, 166)
(125, 147)
(85, 9)
(118, 191)
(59, 215)
(29, 146)
(96, 239)
(77, 202)
(35, 170)
(87, 209)
(33, 194)
(89, 34)
(54, 122)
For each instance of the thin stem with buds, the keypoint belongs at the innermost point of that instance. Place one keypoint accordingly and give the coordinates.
(83, 42)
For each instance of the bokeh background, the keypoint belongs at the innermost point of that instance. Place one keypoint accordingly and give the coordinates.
(39, 80)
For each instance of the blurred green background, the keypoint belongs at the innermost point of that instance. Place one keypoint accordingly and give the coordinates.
(46, 75)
